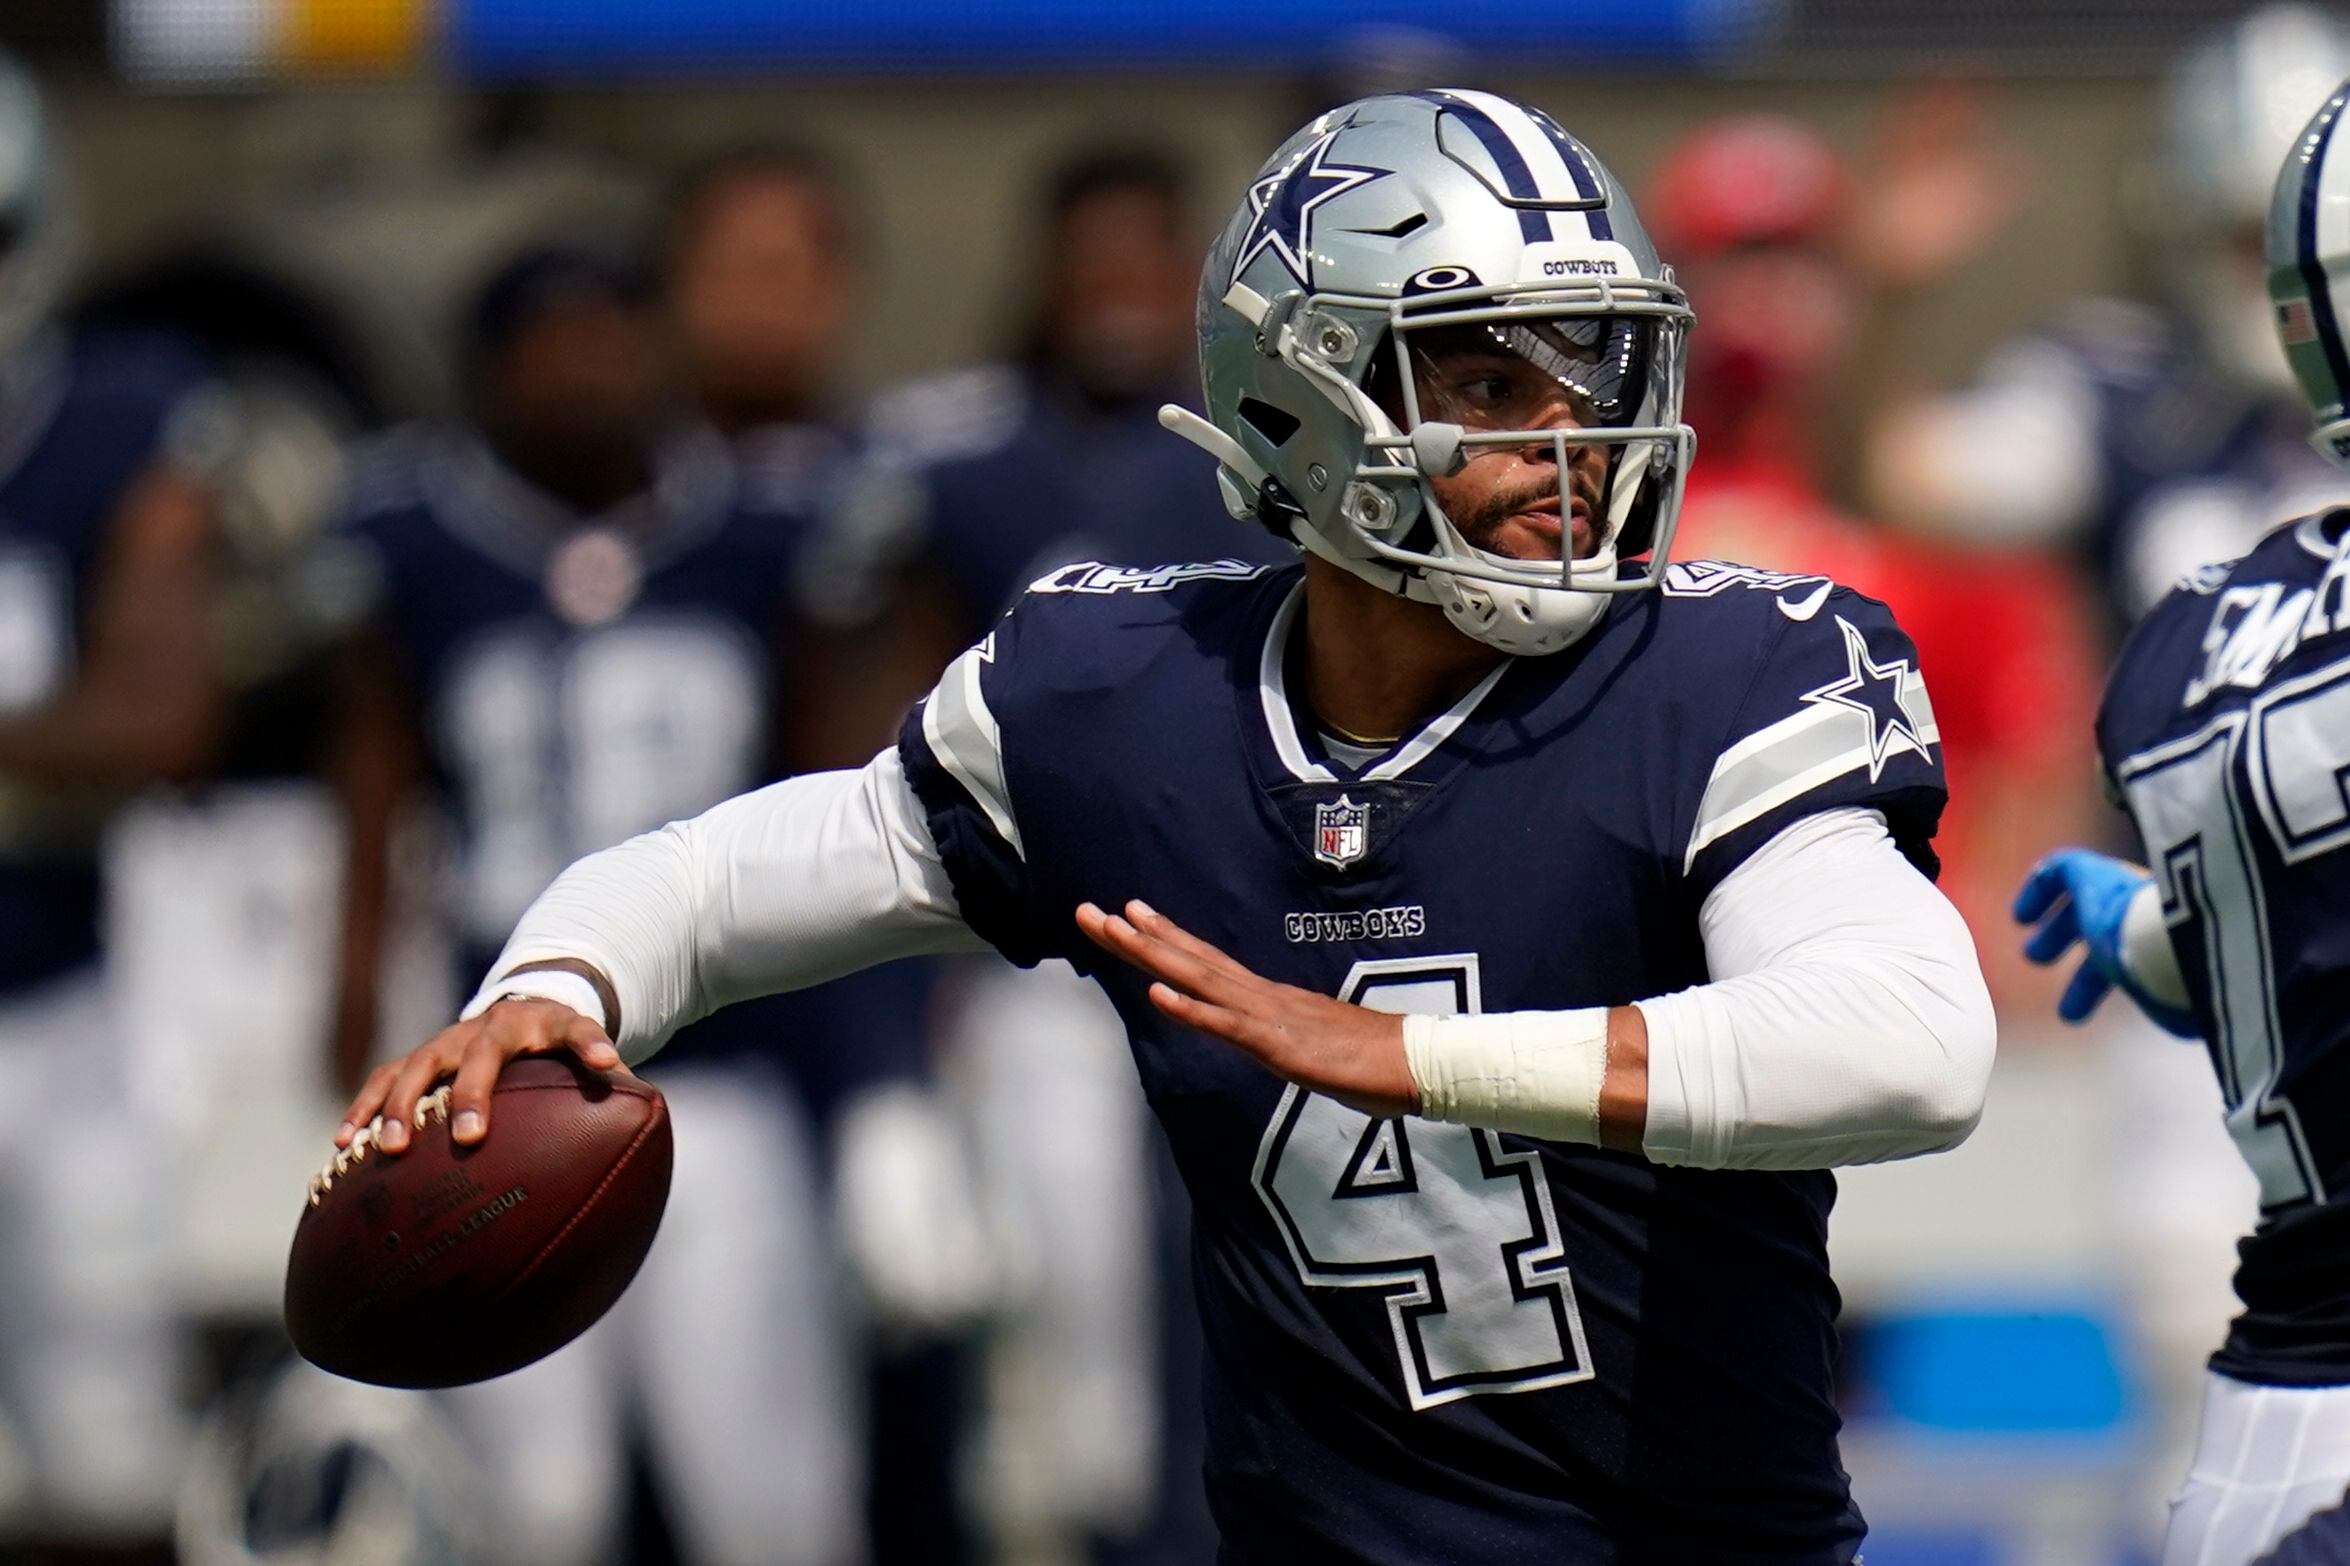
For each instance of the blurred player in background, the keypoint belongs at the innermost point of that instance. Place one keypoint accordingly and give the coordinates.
(1055, 454)
(977, 482)
(2147, 438)
(759, 246)
(107, 683)
(579, 634)
(2144, 437)
(2225, 735)
(761, 257)
(1777, 243)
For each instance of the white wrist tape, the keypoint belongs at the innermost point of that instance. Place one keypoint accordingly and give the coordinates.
(2147, 951)
(1537, 1073)
(555, 984)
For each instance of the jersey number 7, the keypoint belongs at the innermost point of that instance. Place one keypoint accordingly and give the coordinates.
(2293, 743)
(1455, 1228)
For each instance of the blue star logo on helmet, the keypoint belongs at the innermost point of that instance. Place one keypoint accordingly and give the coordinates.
(1284, 202)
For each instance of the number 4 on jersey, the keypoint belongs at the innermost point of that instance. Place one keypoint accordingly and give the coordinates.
(1457, 1230)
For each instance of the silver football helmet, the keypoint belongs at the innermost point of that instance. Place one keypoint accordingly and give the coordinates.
(2309, 270)
(36, 237)
(2230, 110)
(1398, 224)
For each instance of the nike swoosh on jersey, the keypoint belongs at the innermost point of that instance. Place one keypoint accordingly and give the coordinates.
(1808, 605)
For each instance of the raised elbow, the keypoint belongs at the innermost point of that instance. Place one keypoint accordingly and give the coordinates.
(1954, 1052)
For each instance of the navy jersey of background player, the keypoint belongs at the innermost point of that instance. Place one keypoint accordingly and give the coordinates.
(586, 679)
(2226, 729)
(1430, 1343)
(2190, 465)
(1001, 475)
(79, 424)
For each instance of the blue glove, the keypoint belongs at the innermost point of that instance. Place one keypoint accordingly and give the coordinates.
(2084, 897)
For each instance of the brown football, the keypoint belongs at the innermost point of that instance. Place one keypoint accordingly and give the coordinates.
(453, 1264)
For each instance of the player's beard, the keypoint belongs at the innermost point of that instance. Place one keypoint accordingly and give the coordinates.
(1482, 525)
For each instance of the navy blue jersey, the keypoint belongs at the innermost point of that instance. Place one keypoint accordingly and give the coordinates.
(991, 477)
(80, 424)
(2188, 465)
(2226, 730)
(1430, 1343)
(586, 679)
(2324, 1540)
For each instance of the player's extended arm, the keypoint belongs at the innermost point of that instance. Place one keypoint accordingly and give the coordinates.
(797, 883)
(1847, 1023)
(146, 702)
(2114, 911)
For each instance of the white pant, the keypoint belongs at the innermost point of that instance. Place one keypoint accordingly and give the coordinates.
(1064, 1147)
(89, 1358)
(2266, 1458)
(729, 1346)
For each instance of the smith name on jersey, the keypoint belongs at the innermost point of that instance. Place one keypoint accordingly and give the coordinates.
(2226, 730)
(1553, 1352)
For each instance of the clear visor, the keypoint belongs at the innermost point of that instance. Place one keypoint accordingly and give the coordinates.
(1590, 371)
(1579, 367)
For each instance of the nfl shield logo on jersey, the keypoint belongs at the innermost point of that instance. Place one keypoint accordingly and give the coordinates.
(1341, 832)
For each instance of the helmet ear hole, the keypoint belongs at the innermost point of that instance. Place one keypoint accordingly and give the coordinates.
(1270, 422)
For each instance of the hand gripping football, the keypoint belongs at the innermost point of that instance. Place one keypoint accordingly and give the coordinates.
(452, 1264)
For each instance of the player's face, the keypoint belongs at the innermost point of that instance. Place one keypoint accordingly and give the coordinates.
(579, 378)
(762, 290)
(1513, 500)
(1118, 308)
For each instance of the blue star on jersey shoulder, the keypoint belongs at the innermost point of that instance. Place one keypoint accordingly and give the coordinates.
(1880, 693)
(1284, 203)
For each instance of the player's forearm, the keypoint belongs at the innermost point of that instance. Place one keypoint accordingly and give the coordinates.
(1564, 1076)
(2147, 954)
(795, 884)
(1849, 1024)
(112, 736)
(1817, 1064)
(146, 705)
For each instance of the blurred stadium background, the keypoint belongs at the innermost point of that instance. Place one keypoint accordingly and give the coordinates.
(314, 194)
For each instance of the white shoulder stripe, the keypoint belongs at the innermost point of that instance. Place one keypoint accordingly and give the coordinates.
(963, 735)
(1795, 755)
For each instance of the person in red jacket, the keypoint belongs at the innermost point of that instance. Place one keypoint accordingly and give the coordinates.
(1760, 217)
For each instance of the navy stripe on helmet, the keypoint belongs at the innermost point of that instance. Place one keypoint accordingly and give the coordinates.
(2313, 272)
(1516, 177)
(1579, 169)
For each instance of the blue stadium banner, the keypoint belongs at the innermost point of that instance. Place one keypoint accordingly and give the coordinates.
(620, 38)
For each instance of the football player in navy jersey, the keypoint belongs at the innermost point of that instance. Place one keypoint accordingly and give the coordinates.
(582, 619)
(106, 684)
(2225, 734)
(1512, 928)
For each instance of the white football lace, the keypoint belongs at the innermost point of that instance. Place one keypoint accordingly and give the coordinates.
(434, 1103)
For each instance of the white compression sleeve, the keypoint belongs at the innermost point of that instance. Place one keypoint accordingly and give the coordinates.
(797, 883)
(1847, 1021)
